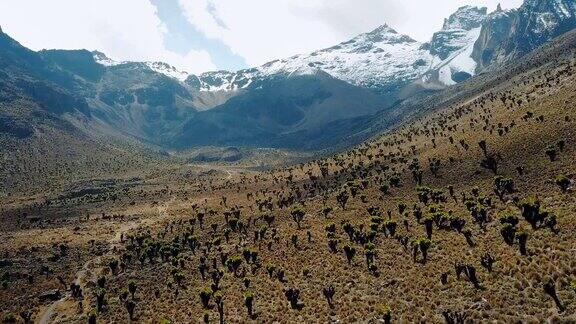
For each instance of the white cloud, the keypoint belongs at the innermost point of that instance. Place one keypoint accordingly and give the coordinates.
(124, 30)
(264, 30)
(259, 30)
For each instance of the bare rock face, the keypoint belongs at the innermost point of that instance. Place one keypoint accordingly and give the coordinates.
(509, 34)
(452, 37)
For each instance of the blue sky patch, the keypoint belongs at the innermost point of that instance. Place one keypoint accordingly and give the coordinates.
(183, 36)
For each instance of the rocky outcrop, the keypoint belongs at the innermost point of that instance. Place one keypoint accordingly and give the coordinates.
(452, 37)
(506, 35)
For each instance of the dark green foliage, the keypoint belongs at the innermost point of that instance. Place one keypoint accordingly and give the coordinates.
(130, 306)
(132, 287)
(205, 296)
(26, 316)
(9, 318)
(384, 188)
(113, 264)
(531, 211)
(401, 208)
(434, 165)
(395, 180)
(561, 145)
(507, 218)
(329, 294)
(297, 212)
(249, 303)
(101, 282)
(92, 317)
(234, 263)
(551, 152)
(349, 229)
(428, 221)
(342, 198)
(563, 182)
(330, 229)
(490, 162)
(416, 171)
(487, 261)
(100, 299)
(522, 237)
(200, 218)
(417, 213)
(350, 252)
(390, 227)
(333, 244)
(369, 253)
(423, 245)
(294, 239)
(550, 289)
(293, 296)
(483, 146)
(508, 232)
(219, 300)
(456, 223)
(454, 317)
(503, 186)
(270, 269)
(479, 214)
(385, 314)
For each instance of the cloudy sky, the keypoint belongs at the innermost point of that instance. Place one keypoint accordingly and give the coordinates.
(204, 35)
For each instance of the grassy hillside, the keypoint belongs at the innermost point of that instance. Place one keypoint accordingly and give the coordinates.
(463, 214)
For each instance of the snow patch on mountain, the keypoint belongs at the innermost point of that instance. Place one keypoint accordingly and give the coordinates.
(168, 70)
(460, 60)
(369, 60)
(158, 67)
(379, 59)
(102, 59)
(466, 18)
(375, 59)
(562, 8)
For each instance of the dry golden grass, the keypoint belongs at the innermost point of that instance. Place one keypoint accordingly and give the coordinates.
(160, 210)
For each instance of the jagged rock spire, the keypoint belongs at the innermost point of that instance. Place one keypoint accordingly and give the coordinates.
(499, 7)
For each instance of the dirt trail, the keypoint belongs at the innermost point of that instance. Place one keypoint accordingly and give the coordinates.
(230, 171)
(92, 267)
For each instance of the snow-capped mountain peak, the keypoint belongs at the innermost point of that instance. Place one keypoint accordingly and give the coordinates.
(383, 34)
(168, 70)
(466, 18)
(158, 67)
(381, 59)
(385, 60)
(452, 46)
(102, 59)
(378, 59)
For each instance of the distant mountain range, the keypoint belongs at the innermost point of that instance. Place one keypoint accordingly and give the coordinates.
(304, 102)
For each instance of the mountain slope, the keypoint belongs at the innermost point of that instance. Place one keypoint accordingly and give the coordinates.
(307, 101)
(382, 60)
(561, 48)
(296, 111)
(452, 46)
(455, 215)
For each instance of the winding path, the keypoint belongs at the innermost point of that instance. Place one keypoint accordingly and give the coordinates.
(91, 267)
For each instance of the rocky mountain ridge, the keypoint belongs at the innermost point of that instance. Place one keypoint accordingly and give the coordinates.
(305, 102)
(383, 60)
(510, 34)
